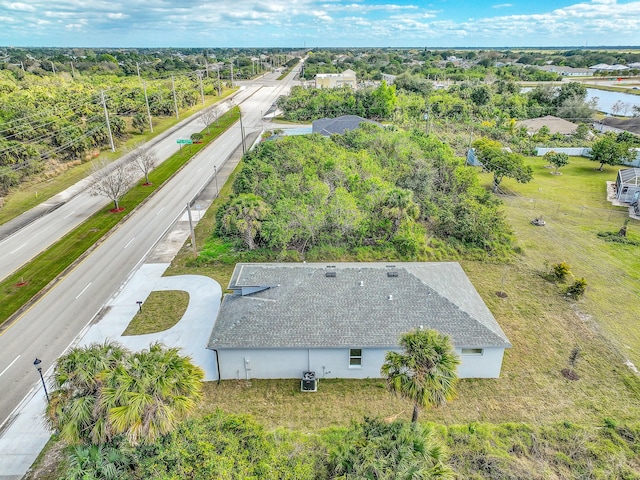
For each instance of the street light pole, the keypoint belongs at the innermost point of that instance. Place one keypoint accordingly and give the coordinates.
(36, 363)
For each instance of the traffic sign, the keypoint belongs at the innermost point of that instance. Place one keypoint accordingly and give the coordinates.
(185, 141)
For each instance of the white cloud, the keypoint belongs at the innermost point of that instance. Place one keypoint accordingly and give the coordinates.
(21, 7)
(502, 5)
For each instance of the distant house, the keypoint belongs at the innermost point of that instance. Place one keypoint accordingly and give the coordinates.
(334, 80)
(340, 320)
(554, 124)
(618, 125)
(339, 125)
(628, 185)
(567, 71)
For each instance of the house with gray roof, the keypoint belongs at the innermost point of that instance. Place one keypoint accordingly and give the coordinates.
(339, 125)
(339, 320)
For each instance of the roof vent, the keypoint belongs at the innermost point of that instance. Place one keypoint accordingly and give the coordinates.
(390, 297)
(361, 283)
(330, 274)
(392, 273)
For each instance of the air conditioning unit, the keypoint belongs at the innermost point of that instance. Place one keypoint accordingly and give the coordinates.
(309, 383)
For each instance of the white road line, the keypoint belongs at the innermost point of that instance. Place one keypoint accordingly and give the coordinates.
(83, 290)
(129, 243)
(159, 211)
(70, 214)
(182, 187)
(9, 366)
(199, 170)
(14, 251)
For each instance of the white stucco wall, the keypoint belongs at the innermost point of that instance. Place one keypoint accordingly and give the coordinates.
(334, 363)
(487, 365)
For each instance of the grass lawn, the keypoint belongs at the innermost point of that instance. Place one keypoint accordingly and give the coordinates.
(542, 324)
(159, 312)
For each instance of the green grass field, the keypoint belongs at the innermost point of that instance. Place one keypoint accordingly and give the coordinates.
(542, 323)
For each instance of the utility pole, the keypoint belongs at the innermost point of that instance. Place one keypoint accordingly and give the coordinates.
(231, 74)
(175, 100)
(138, 68)
(146, 101)
(193, 233)
(53, 67)
(73, 73)
(106, 116)
(218, 70)
(206, 65)
(201, 88)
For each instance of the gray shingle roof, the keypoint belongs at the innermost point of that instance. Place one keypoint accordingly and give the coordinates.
(338, 125)
(361, 305)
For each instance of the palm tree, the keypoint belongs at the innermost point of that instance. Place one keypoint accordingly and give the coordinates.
(74, 409)
(396, 450)
(103, 391)
(244, 215)
(148, 399)
(98, 462)
(425, 372)
(398, 205)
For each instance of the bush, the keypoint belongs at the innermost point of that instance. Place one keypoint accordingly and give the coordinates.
(560, 271)
(577, 288)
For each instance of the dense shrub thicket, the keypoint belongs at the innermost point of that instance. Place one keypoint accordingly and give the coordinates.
(372, 188)
(225, 446)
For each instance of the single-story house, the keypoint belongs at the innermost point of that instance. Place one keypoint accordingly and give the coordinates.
(628, 185)
(334, 80)
(338, 125)
(340, 320)
(554, 124)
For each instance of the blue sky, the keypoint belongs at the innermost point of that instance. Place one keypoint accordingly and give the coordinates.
(318, 23)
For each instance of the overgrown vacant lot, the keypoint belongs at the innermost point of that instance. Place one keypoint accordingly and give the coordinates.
(543, 325)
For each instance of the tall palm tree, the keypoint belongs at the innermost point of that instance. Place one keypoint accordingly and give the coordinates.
(244, 214)
(425, 372)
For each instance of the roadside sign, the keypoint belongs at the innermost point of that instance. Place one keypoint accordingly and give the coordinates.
(185, 141)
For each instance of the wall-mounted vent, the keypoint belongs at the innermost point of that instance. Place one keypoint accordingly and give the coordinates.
(330, 274)
(392, 273)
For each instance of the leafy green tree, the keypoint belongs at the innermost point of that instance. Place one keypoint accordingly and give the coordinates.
(577, 288)
(139, 122)
(608, 151)
(244, 215)
(425, 372)
(103, 391)
(557, 159)
(374, 449)
(502, 163)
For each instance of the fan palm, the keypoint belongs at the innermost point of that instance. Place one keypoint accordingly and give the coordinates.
(425, 372)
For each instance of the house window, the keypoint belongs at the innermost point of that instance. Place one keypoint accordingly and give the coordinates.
(355, 357)
(471, 351)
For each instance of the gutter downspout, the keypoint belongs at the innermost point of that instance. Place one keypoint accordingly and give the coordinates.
(217, 364)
